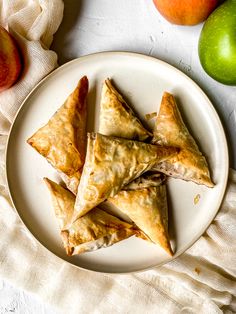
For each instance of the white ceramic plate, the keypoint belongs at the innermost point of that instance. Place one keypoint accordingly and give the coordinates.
(142, 80)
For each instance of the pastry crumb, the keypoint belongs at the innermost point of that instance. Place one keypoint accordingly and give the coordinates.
(196, 199)
(197, 270)
(150, 116)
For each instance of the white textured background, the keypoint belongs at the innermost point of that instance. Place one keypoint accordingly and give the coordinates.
(128, 25)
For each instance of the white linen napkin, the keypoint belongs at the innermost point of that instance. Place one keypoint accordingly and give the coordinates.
(33, 23)
(202, 280)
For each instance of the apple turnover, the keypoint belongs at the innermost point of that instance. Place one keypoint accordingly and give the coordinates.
(95, 230)
(116, 116)
(111, 163)
(62, 141)
(145, 203)
(189, 164)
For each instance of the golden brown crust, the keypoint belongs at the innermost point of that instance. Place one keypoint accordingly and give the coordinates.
(95, 230)
(63, 203)
(110, 164)
(62, 140)
(170, 130)
(115, 113)
(146, 180)
(147, 208)
(66, 242)
(72, 182)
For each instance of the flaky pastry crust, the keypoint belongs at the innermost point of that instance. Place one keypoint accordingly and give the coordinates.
(95, 230)
(112, 163)
(62, 140)
(189, 164)
(147, 208)
(116, 116)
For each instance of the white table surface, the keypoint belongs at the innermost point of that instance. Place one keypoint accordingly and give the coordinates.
(127, 25)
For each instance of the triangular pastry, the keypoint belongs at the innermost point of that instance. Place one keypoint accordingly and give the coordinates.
(116, 116)
(62, 140)
(170, 130)
(110, 164)
(95, 230)
(63, 203)
(147, 208)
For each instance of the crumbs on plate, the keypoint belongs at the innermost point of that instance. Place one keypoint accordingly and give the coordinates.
(196, 199)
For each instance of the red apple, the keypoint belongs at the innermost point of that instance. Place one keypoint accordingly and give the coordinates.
(10, 62)
(186, 12)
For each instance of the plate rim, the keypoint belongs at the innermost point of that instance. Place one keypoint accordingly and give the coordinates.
(179, 72)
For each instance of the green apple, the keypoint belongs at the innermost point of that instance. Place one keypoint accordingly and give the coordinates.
(217, 44)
